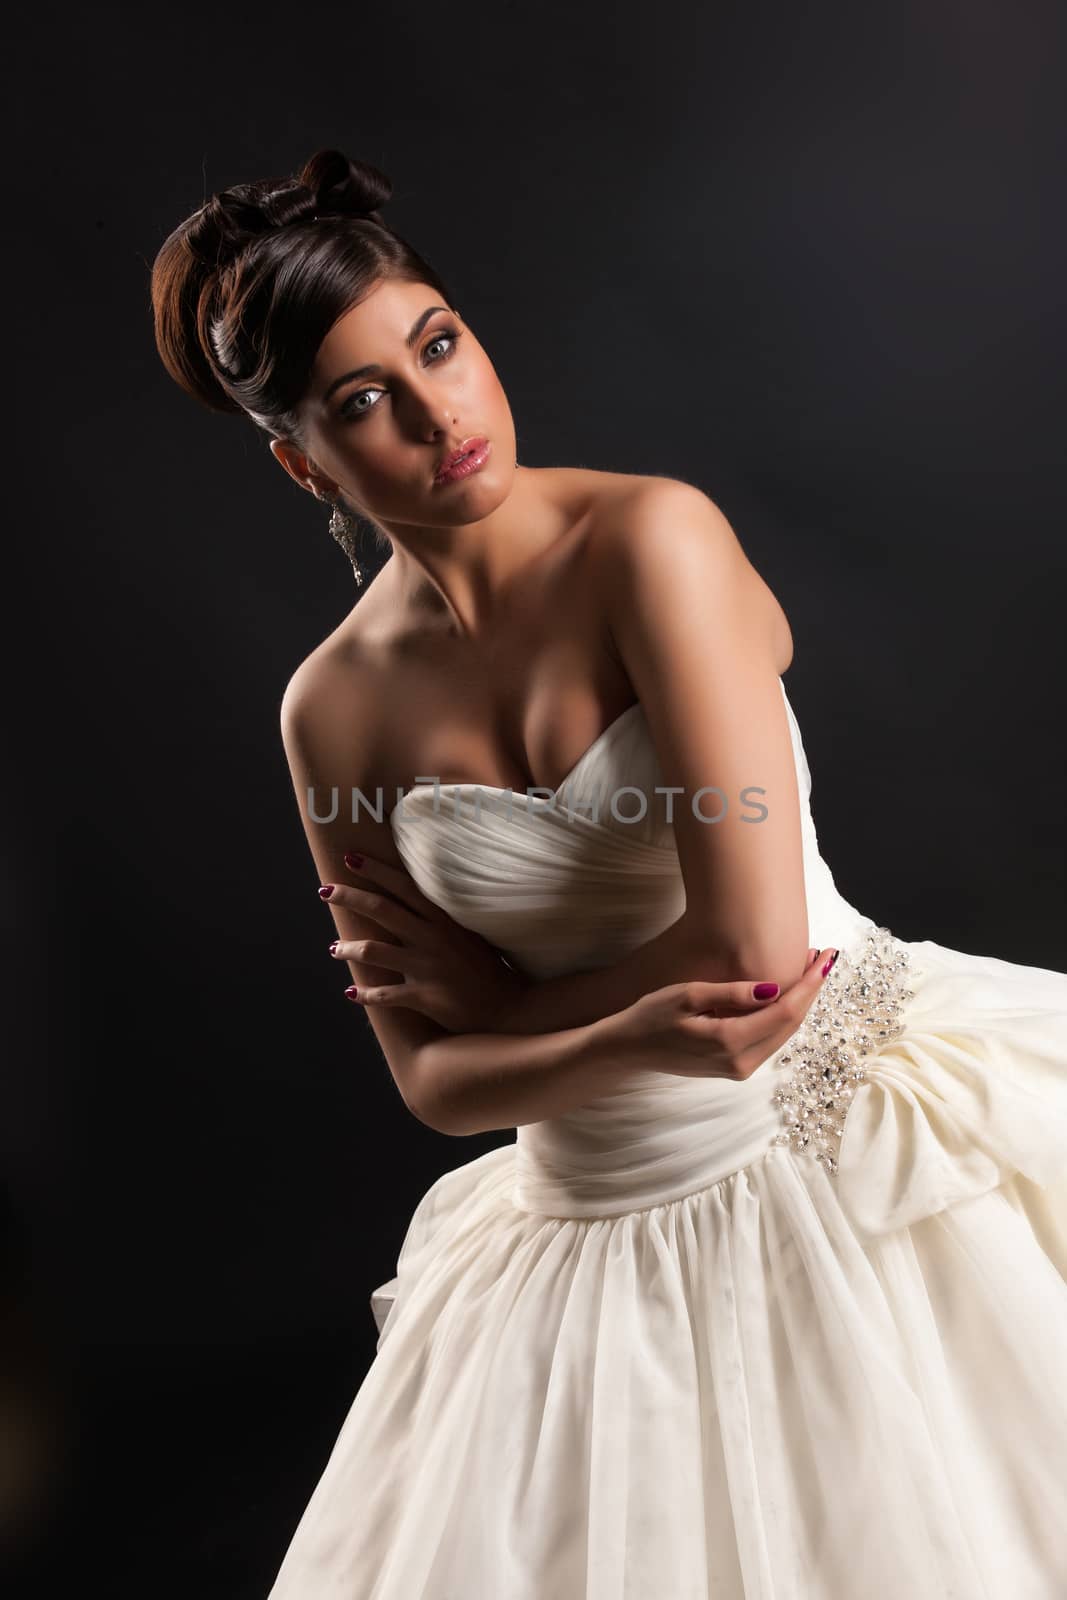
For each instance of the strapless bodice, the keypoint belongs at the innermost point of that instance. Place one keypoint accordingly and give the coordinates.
(574, 880)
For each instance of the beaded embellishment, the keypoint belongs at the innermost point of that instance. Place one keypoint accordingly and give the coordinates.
(856, 1011)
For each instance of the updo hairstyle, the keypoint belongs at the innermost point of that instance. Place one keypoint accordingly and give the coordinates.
(246, 288)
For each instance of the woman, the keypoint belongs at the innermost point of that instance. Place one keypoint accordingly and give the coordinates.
(764, 1300)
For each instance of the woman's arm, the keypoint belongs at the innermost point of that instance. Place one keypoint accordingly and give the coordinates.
(705, 1030)
(478, 1082)
(692, 627)
(678, 953)
(454, 1083)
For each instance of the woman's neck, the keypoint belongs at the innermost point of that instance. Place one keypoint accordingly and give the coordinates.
(468, 572)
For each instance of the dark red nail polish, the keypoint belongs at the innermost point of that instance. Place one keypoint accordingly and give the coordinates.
(828, 963)
(352, 860)
(352, 993)
(333, 947)
(325, 891)
(764, 991)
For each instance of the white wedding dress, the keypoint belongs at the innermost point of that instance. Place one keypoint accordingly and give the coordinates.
(689, 1342)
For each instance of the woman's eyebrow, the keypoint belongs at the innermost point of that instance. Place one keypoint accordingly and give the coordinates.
(373, 366)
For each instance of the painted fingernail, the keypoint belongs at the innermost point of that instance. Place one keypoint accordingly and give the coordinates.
(352, 860)
(352, 993)
(765, 991)
(325, 891)
(829, 962)
(333, 947)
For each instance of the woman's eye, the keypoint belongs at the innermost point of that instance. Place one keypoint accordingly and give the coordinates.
(352, 408)
(437, 339)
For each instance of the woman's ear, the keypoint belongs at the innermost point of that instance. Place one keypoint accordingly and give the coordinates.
(300, 467)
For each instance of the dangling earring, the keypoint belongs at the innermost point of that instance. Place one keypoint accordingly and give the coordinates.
(344, 527)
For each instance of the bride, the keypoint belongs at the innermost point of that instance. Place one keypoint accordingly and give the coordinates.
(768, 1297)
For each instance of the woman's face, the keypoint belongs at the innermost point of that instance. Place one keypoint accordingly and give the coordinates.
(398, 383)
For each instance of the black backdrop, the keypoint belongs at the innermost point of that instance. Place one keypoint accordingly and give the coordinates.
(810, 259)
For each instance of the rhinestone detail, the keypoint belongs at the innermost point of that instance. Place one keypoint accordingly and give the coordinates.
(857, 1010)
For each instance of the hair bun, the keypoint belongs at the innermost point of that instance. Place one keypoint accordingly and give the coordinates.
(344, 187)
(329, 184)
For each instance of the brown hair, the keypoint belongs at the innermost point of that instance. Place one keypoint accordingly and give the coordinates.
(247, 287)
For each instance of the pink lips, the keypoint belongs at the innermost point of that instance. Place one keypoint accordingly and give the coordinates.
(477, 454)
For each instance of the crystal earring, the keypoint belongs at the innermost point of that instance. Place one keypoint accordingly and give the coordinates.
(344, 527)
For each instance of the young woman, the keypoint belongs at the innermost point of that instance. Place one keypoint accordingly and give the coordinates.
(768, 1298)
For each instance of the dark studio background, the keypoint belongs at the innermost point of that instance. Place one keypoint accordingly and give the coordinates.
(810, 259)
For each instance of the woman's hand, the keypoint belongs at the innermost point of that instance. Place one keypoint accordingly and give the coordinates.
(449, 973)
(711, 1030)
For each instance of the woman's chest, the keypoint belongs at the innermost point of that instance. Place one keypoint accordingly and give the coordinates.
(516, 712)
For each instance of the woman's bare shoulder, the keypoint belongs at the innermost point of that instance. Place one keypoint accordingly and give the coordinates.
(621, 504)
(334, 728)
(345, 674)
(604, 493)
(330, 708)
(629, 502)
(639, 513)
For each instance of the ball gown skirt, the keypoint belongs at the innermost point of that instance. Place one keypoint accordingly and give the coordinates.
(802, 1337)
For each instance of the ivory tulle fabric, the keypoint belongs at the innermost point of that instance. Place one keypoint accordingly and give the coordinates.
(645, 1352)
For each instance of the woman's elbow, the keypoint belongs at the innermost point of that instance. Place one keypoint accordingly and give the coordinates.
(776, 951)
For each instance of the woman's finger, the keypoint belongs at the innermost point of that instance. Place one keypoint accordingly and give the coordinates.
(762, 1032)
(376, 953)
(386, 912)
(385, 994)
(396, 880)
(746, 1021)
